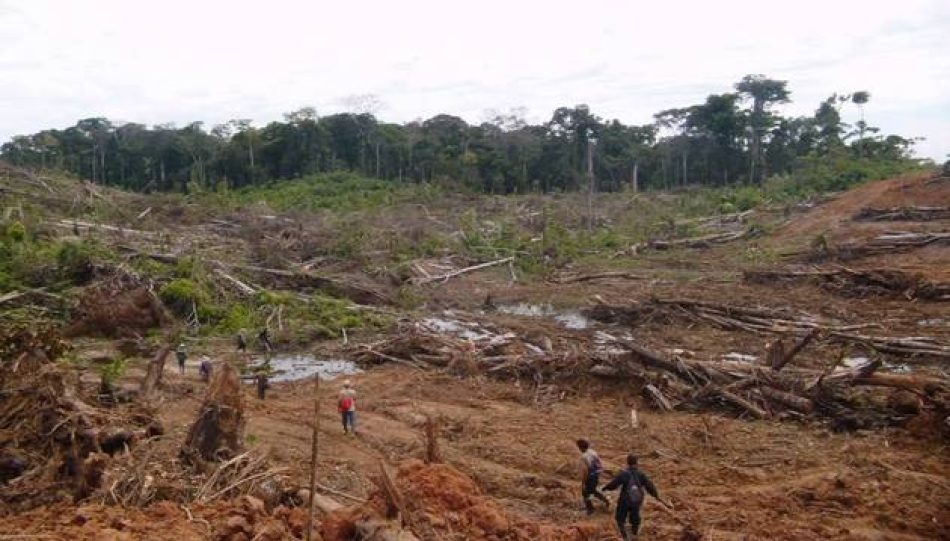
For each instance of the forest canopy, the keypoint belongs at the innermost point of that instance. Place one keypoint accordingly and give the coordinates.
(734, 137)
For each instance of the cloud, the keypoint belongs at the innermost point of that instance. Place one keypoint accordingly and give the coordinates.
(214, 60)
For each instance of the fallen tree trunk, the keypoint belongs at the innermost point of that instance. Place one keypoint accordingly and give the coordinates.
(240, 286)
(701, 242)
(857, 283)
(786, 357)
(283, 277)
(910, 214)
(596, 276)
(449, 275)
(890, 243)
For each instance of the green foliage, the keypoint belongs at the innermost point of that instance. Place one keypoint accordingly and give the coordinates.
(239, 317)
(337, 191)
(726, 139)
(76, 260)
(113, 371)
(15, 232)
(182, 294)
(741, 199)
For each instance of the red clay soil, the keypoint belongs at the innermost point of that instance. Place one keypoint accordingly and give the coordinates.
(238, 520)
(445, 501)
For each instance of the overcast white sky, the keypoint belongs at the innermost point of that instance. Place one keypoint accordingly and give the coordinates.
(180, 61)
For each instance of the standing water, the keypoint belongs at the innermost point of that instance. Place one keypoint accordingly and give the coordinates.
(295, 367)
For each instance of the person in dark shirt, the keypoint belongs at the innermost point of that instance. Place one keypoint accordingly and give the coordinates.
(264, 338)
(633, 485)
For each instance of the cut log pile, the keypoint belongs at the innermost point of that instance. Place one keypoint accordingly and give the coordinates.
(704, 241)
(908, 214)
(853, 397)
(768, 321)
(889, 243)
(857, 283)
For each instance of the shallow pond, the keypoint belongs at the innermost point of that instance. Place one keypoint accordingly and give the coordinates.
(571, 319)
(287, 367)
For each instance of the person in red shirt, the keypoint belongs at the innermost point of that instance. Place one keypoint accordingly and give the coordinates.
(346, 405)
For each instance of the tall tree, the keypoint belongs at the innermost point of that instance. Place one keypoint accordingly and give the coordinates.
(764, 93)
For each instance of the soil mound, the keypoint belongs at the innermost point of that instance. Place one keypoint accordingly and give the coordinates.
(442, 502)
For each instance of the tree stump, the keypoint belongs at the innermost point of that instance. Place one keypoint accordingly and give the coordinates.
(218, 432)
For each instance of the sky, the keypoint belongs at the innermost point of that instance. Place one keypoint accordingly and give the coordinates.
(181, 61)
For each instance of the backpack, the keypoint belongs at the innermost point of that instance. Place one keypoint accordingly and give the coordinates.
(634, 491)
(346, 404)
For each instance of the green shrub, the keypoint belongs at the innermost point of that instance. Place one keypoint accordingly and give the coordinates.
(76, 260)
(181, 294)
(15, 231)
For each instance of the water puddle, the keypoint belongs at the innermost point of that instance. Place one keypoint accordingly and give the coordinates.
(740, 357)
(297, 367)
(465, 329)
(857, 362)
(570, 319)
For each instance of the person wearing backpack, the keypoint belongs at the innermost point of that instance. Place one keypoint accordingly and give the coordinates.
(346, 405)
(591, 468)
(634, 485)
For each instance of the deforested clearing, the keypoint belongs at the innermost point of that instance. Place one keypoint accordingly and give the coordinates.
(780, 370)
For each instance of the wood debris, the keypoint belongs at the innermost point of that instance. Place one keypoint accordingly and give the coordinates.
(904, 214)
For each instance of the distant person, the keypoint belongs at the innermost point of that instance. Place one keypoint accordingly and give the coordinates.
(591, 468)
(634, 485)
(346, 405)
(204, 369)
(262, 384)
(241, 342)
(182, 354)
(264, 338)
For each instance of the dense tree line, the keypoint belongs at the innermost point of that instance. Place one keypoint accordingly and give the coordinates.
(732, 137)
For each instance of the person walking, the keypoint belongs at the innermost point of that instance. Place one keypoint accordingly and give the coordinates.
(591, 468)
(241, 342)
(634, 485)
(182, 354)
(264, 338)
(204, 369)
(346, 405)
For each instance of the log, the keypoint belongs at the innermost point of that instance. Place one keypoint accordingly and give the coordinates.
(742, 403)
(787, 357)
(658, 397)
(909, 213)
(700, 242)
(242, 288)
(449, 275)
(597, 276)
(795, 402)
(154, 371)
(295, 279)
(218, 431)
